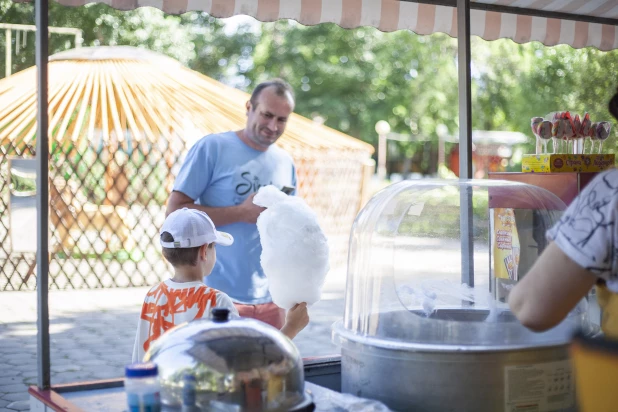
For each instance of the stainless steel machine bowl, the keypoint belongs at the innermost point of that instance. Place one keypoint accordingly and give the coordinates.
(531, 370)
(238, 365)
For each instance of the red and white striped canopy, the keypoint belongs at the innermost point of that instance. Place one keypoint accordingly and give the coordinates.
(548, 21)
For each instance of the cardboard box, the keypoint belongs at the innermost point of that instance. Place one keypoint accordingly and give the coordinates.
(563, 162)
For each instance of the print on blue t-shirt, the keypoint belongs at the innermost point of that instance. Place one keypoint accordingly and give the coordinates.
(220, 171)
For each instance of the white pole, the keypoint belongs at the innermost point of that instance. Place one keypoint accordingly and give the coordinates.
(9, 63)
(382, 156)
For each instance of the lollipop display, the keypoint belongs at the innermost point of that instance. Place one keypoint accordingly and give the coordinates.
(569, 133)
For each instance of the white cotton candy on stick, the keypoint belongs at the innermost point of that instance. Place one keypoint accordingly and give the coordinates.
(295, 254)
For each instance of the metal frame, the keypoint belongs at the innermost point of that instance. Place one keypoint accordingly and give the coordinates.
(465, 141)
(465, 153)
(41, 16)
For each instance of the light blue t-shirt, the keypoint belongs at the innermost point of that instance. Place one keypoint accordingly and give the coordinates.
(220, 171)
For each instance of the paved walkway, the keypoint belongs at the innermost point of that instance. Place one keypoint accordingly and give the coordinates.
(92, 335)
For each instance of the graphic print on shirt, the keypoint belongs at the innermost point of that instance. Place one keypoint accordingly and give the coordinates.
(249, 184)
(253, 175)
(591, 218)
(162, 304)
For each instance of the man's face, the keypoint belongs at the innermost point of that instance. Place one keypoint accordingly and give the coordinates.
(267, 120)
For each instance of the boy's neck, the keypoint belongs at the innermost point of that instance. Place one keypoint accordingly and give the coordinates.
(183, 274)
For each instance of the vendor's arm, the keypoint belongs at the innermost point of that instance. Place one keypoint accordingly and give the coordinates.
(550, 290)
(246, 212)
(581, 252)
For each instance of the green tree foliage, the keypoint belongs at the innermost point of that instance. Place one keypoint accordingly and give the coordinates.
(353, 78)
(195, 39)
(519, 82)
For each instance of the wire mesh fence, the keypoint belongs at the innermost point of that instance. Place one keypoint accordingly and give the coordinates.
(106, 207)
(120, 122)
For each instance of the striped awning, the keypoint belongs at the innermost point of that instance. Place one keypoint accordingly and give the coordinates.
(579, 23)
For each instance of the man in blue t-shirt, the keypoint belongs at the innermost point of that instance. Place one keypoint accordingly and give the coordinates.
(221, 174)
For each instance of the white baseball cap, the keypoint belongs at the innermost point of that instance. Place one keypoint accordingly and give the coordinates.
(192, 228)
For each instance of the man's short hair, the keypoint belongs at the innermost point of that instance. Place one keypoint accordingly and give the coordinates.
(180, 256)
(281, 88)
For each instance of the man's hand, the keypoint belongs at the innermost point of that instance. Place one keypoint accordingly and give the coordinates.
(246, 212)
(296, 320)
(250, 211)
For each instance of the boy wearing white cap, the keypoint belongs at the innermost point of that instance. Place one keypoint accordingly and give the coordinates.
(188, 238)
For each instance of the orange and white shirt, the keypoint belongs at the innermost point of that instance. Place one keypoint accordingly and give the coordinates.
(169, 304)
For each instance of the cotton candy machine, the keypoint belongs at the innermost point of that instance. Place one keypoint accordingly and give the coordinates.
(426, 324)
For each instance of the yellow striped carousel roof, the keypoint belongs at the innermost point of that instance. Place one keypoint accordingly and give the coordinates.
(135, 97)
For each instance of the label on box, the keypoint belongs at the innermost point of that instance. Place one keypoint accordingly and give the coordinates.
(562, 162)
(545, 386)
(505, 244)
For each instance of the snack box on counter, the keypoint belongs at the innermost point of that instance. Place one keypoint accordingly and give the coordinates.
(564, 162)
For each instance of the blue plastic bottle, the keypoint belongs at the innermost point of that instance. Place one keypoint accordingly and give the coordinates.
(142, 387)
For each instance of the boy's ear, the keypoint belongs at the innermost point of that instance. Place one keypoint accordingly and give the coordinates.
(203, 251)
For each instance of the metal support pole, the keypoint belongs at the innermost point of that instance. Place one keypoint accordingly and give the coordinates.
(41, 10)
(465, 95)
(8, 60)
(465, 141)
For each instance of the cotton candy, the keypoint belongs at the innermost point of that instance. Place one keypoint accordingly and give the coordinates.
(295, 254)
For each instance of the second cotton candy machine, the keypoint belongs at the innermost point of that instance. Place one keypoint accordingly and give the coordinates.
(426, 324)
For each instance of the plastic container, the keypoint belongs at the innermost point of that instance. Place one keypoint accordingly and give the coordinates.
(142, 387)
(426, 320)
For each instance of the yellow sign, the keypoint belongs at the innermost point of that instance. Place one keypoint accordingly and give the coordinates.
(505, 244)
(556, 163)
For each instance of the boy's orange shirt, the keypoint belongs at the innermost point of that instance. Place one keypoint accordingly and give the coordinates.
(170, 304)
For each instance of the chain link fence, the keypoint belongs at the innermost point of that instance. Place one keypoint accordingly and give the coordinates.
(106, 207)
(121, 122)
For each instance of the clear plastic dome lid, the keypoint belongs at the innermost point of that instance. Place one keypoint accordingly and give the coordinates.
(431, 262)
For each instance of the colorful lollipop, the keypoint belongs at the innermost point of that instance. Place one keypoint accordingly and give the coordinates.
(558, 130)
(585, 128)
(577, 125)
(544, 131)
(534, 125)
(593, 134)
(602, 133)
(569, 130)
